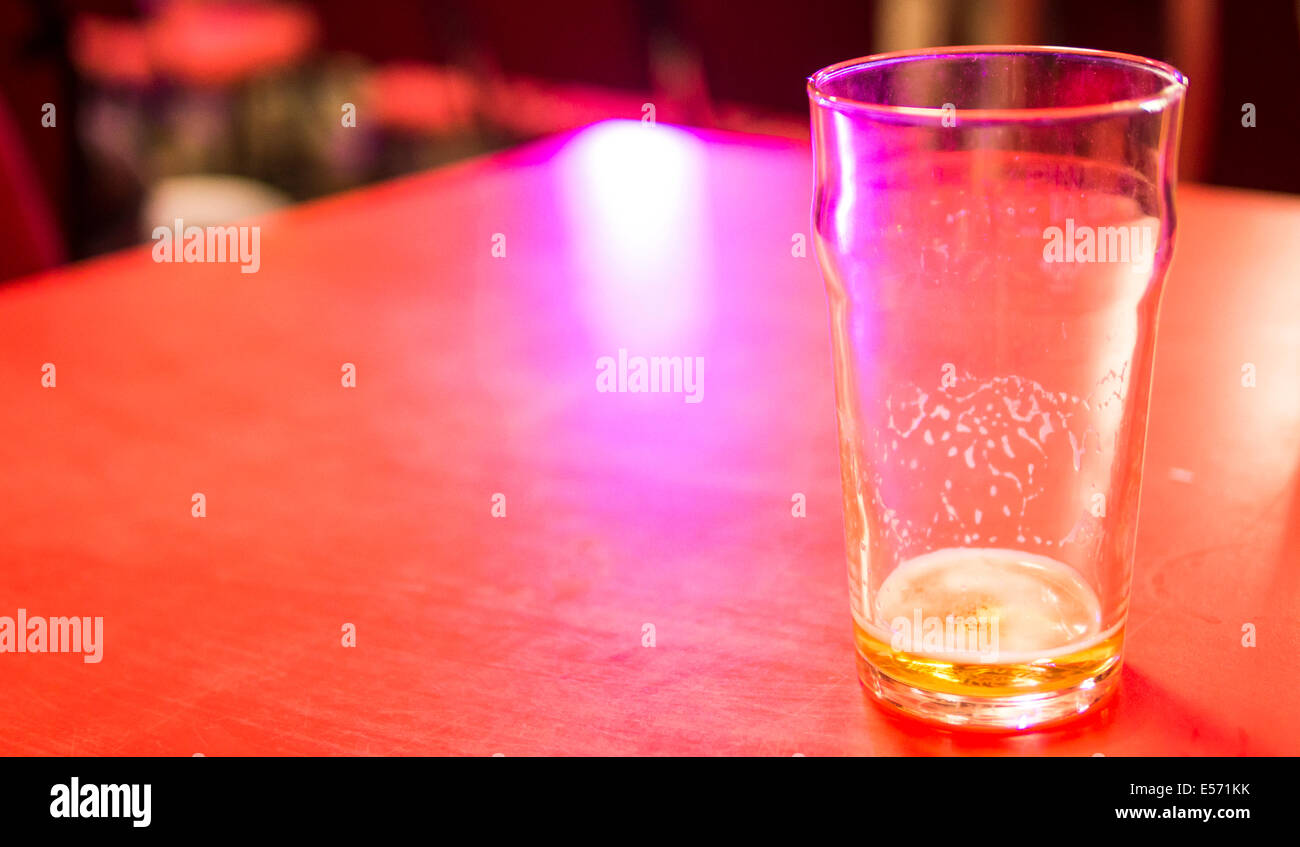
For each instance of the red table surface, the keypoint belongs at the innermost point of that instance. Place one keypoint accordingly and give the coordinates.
(476, 375)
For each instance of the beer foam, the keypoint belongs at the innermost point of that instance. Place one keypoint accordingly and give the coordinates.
(1041, 607)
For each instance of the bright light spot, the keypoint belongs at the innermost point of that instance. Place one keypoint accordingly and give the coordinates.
(634, 197)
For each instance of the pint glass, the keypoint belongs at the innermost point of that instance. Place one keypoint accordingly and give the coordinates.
(993, 225)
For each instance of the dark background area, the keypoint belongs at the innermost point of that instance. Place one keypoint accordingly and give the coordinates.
(226, 109)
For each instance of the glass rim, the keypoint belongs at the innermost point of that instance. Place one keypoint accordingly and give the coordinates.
(1173, 90)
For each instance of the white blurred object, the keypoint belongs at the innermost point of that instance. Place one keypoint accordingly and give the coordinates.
(207, 200)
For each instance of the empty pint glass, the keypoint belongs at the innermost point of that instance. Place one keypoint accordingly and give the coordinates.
(993, 225)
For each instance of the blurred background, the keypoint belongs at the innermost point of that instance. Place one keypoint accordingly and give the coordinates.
(118, 114)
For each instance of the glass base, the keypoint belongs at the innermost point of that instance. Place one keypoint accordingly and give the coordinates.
(1012, 712)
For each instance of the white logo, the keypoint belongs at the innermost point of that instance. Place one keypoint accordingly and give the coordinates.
(1131, 245)
(182, 243)
(53, 635)
(656, 374)
(952, 635)
(75, 800)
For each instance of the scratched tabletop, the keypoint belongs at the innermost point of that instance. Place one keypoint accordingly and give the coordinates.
(371, 499)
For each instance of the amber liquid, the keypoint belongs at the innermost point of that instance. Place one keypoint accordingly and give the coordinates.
(1040, 625)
